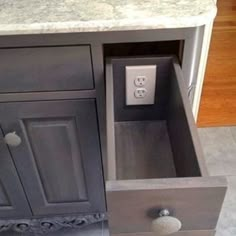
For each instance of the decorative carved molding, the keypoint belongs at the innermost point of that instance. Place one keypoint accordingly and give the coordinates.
(42, 226)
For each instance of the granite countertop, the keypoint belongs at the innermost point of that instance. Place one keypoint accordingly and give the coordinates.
(52, 16)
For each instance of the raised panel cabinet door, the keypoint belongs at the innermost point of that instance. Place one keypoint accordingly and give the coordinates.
(13, 202)
(59, 158)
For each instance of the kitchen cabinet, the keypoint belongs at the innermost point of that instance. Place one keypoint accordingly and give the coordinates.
(85, 156)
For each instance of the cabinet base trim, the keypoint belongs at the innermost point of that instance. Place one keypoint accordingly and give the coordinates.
(50, 224)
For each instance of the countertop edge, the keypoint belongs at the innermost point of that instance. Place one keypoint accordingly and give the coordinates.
(109, 25)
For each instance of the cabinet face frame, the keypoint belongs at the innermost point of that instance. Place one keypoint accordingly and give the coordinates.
(139, 200)
(72, 129)
(192, 38)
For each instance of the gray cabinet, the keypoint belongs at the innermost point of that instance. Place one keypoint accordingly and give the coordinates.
(59, 159)
(13, 202)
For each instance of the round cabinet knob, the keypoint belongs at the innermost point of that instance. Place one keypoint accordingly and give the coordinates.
(12, 139)
(166, 224)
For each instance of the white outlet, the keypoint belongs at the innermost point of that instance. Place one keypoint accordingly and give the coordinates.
(140, 92)
(140, 80)
(140, 84)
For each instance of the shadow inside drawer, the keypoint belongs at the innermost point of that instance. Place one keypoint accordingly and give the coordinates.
(143, 150)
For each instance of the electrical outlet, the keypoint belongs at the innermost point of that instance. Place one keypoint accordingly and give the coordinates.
(140, 80)
(140, 84)
(140, 92)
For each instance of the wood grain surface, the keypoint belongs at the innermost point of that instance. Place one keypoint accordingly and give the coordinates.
(64, 174)
(143, 150)
(181, 233)
(218, 102)
(45, 69)
(133, 204)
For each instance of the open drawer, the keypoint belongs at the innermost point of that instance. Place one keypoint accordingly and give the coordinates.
(155, 160)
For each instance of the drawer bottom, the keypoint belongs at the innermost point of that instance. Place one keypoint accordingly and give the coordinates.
(181, 233)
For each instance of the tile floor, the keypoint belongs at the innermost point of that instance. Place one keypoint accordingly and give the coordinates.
(219, 145)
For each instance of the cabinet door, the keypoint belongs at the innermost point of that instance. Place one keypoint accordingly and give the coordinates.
(59, 158)
(13, 202)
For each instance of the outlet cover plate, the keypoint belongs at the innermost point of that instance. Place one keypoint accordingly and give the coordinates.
(131, 73)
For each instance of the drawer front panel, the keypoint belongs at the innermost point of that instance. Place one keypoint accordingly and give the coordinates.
(45, 69)
(181, 233)
(133, 204)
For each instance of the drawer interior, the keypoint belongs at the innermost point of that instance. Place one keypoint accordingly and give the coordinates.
(143, 150)
(151, 141)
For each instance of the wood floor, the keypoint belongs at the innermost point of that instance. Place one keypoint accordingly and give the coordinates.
(218, 102)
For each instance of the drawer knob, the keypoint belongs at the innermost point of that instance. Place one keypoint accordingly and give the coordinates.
(166, 224)
(12, 139)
